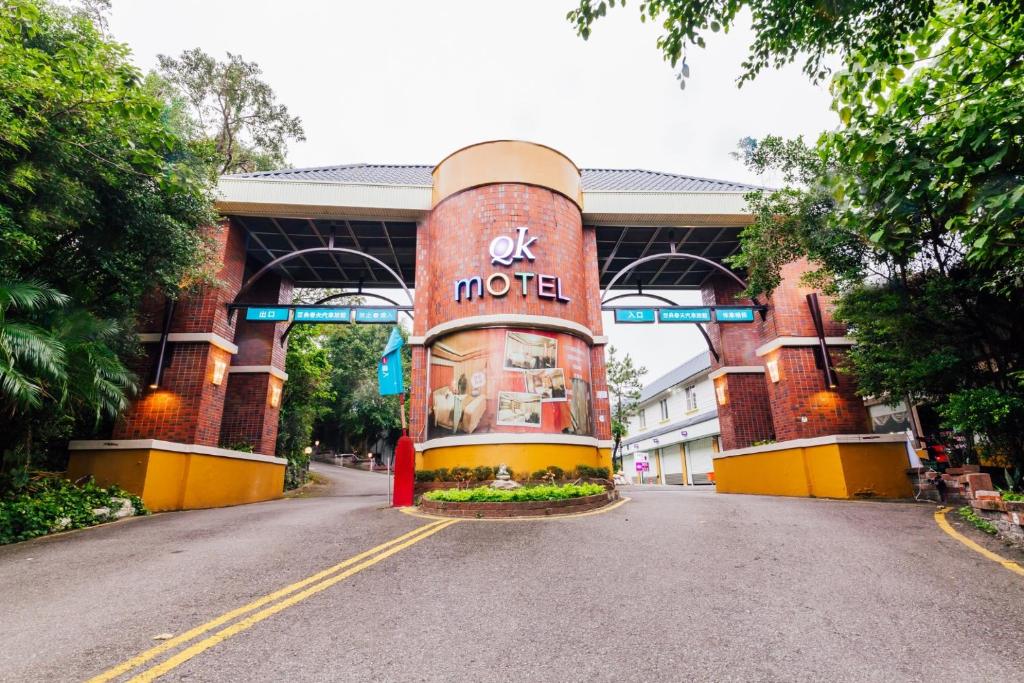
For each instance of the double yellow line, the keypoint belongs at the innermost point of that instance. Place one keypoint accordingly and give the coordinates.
(297, 591)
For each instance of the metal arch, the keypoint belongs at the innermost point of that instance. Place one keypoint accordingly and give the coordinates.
(287, 330)
(670, 255)
(666, 300)
(319, 250)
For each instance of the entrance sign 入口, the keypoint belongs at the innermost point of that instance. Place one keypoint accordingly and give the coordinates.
(269, 315)
(642, 465)
(634, 315)
(684, 315)
(323, 315)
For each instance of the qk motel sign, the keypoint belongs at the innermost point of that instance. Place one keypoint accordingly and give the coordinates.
(685, 314)
(343, 315)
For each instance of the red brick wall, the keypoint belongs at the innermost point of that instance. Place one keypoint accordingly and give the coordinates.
(801, 393)
(453, 243)
(248, 416)
(187, 407)
(458, 235)
(746, 416)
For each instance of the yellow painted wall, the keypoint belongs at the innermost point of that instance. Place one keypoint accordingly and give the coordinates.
(776, 473)
(825, 471)
(848, 470)
(881, 468)
(522, 458)
(168, 480)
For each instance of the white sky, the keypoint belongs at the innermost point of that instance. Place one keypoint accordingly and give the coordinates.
(410, 81)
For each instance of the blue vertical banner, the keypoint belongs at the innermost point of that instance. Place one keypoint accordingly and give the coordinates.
(389, 370)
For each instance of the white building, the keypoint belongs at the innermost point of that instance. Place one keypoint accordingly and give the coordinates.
(676, 427)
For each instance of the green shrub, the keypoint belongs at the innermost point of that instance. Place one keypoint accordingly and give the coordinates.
(485, 494)
(296, 472)
(483, 473)
(979, 523)
(442, 474)
(423, 476)
(51, 504)
(1010, 495)
(588, 472)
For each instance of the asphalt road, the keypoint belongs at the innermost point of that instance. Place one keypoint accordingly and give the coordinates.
(674, 585)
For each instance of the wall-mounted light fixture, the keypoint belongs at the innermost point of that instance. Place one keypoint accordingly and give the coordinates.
(220, 368)
(275, 395)
(720, 392)
(773, 369)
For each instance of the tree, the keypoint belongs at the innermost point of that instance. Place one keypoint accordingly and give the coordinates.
(228, 104)
(913, 212)
(54, 362)
(783, 29)
(361, 414)
(308, 395)
(624, 384)
(98, 194)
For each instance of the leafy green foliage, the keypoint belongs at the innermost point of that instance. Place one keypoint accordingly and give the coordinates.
(51, 504)
(913, 214)
(588, 472)
(359, 414)
(296, 472)
(230, 106)
(102, 194)
(308, 394)
(979, 523)
(485, 494)
(784, 30)
(624, 383)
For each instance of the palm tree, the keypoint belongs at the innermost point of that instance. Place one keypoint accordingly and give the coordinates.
(55, 362)
(31, 358)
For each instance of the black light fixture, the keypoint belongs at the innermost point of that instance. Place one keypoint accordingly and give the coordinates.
(161, 358)
(831, 381)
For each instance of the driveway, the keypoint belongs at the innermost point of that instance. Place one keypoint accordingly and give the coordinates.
(675, 584)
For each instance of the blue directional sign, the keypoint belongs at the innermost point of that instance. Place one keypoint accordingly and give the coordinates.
(333, 314)
(734, 315)
(684, 315)
(376, 315)
(634, 315)
(267, 315)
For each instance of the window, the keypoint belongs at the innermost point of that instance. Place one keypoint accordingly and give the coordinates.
(691, 398)
(663, 404)
(643, 418)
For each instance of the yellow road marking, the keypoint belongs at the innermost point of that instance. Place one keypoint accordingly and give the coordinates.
(940, 519)
(413, 512)
(250, 621)
(149, 654)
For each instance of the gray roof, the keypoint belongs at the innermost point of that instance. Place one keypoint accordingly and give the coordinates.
(679, 424)
(594, 179)
(694, 366)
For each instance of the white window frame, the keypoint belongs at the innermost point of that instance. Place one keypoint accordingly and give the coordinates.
(690, 393)
(663, 404)
(643, 418)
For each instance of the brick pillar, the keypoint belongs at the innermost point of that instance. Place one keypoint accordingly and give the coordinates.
(256, 376)
(801, 403)
(187, 406)
(744, 413)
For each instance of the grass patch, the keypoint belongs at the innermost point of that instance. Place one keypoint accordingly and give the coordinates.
(1011, 495)
(484, 494)
(980, 523)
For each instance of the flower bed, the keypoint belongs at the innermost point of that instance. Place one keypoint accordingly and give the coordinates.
(533, 501)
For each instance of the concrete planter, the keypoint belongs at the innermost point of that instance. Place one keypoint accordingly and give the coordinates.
(531, 508)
